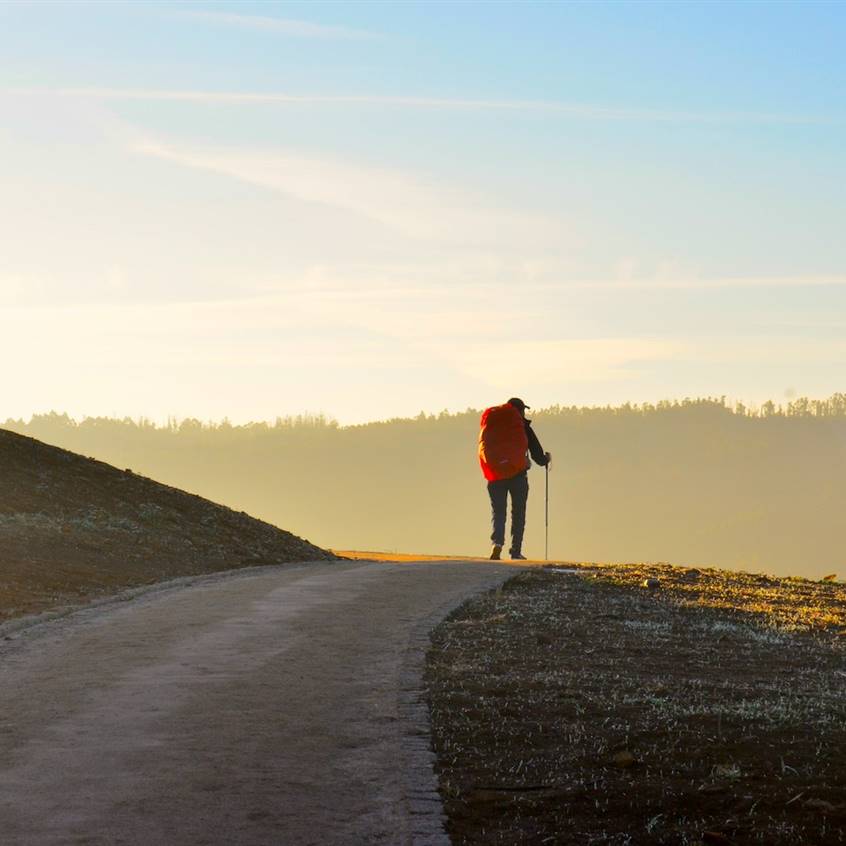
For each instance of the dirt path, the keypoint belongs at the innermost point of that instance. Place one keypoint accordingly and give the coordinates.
(272, 707)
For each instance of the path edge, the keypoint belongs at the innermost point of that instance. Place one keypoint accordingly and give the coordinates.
(424, 809)
(30, 624)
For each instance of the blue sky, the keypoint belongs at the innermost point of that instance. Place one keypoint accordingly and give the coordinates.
(252, 209)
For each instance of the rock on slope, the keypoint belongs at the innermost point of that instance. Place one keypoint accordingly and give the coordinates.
(73, 529)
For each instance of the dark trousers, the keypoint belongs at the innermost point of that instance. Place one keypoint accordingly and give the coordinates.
(518, 487)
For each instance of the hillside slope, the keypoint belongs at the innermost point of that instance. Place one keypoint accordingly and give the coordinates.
(73, 529)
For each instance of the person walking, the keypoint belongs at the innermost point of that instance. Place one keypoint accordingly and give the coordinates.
(506, 440)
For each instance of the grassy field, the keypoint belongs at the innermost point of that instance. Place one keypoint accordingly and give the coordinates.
(640, 704)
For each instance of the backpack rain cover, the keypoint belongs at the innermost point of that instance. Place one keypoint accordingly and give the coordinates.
(503, 443)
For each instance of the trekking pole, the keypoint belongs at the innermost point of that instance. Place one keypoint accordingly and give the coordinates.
(546, 517)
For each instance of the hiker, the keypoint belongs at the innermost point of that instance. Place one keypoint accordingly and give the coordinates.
(505, 438)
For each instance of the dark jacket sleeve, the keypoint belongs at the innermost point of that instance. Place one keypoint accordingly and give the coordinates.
(535, 449)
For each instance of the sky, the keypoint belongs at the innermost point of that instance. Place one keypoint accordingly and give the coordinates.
(251, 210)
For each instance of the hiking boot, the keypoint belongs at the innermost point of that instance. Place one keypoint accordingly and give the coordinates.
(518, 556)
(496, 552)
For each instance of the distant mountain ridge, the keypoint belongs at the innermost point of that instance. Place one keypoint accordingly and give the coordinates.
(73, 528)
(695, 482)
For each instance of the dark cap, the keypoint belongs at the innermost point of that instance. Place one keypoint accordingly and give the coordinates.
(518, 403)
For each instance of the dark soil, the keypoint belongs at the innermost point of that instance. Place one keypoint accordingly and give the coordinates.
(74, 529)
(592, 706)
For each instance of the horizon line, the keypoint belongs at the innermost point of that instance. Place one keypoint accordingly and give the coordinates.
(724, 401)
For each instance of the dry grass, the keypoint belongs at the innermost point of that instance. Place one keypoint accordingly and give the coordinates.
(786, 604)
(590, 705)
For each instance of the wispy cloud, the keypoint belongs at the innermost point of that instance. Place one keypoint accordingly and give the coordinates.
(775, 351)
(280, 26)
(461, 346)
(393, 198)
(226, 351)
(575, 111)
(682, 283)
(537, 364)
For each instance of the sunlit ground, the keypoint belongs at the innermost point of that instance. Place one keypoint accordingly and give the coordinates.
(786, 603)
(408, 557)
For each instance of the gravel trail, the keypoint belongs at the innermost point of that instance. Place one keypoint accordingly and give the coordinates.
(277, 706)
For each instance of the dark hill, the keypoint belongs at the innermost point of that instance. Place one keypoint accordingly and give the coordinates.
(73, 529)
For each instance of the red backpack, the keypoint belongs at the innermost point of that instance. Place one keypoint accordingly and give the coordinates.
(502, 443)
